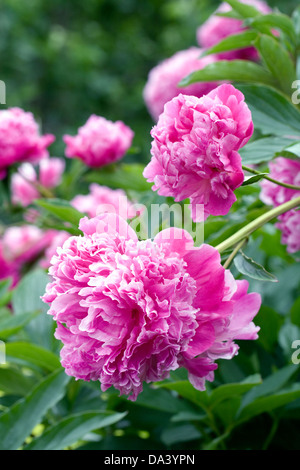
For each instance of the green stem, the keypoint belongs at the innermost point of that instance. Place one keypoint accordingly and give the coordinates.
(280, 183)
(257, 223)
(232, 255)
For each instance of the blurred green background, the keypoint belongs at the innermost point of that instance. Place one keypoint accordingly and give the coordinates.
(64, 60)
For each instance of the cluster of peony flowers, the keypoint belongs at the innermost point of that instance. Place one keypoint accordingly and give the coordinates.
(25, 183)
(287, 171)
(163, 80)
(20, 139)
(99, 142)
(131, 311)
(195, 150)
(217, 28)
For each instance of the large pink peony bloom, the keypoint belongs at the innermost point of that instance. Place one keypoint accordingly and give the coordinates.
(286, 171)
(162, 83)
(99, 142)
(20, 139)
(217, 28)
(131, 311)
(104, 199)
(23, 183)
(195, 150)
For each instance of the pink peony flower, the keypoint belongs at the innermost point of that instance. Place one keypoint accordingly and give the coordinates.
(284, 170)
(217, 28)
(289, 225)
(162, 83)
(20, 139)
(99, 142)
(23, 244)
(195, 150)
(23, 184)
(104, 199)
(51, 171)
(8, 269)
(287, 171)
(131, 311)
(20, 246)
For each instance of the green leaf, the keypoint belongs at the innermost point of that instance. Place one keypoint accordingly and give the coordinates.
(73, 428)
(287, 335)
(291, 151)
(180, 433)
(123, 176)
(14, 382)
(234, 70)
(253, 179)
(32, 354)
(11, 324)
(162, 400)
(251, 268)
(269, 403)
(5, 293)
(61, 209)
(272, 112)
(295, 313)
(263, 150)
(186, 390)
(274, 21)
(270, 322)
(278, 61)
(270, 385)
(228, 391)
(27, 298)
(246, 11)
(235, 41)
(17, 422)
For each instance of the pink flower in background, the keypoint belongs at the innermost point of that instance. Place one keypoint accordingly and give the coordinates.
(56, 241)
(99, 142)
(287, 171)
(162, 83)
(20, 139)
(217, 28)
(104, 199)
(284, 170)
(51, 171)
(195, 150)
(20, 246)
(131, 311)
(289, 225)
(23, 244)
(23, 188)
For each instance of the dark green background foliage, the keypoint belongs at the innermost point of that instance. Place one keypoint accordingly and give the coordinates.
(64, 60)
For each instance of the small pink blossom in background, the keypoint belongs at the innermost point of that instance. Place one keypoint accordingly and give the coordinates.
(217, 28)
(162, 83)
(48, 175)
(102, 198)
(99, 142)
(24, 243)
(51, 171)
(287, 171)
(56, 241)
(131, 311)
(289, 225)
(195, 150)
(20, 139)
(20, 245)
